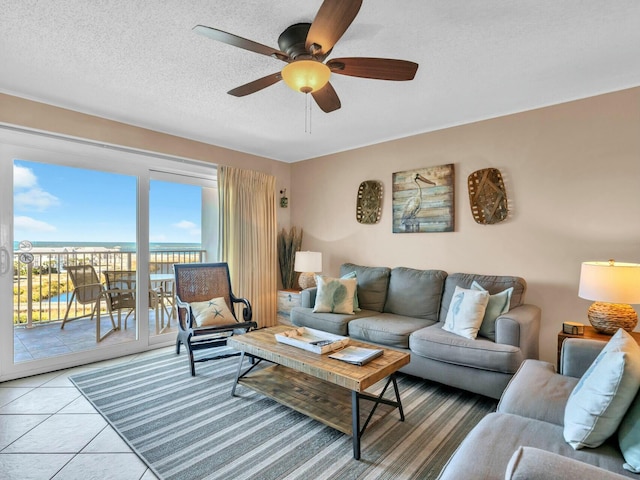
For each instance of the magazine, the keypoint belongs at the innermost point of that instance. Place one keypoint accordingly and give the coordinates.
(356, 355)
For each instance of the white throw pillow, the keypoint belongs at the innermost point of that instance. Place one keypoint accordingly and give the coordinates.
(498, 304)
(212, 312)
(334, 295)
(601, 398)
(466, 312)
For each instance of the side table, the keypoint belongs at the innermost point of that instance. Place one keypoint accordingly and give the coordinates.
(287, 299)
(589, 333)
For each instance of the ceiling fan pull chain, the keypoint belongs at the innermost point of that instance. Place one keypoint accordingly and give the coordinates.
(307, 113)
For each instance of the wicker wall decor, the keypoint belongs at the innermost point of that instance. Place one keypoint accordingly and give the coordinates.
(369, 204)
(487, 196)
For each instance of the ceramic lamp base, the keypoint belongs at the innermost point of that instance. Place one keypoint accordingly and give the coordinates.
(609, 317)
(307, 280)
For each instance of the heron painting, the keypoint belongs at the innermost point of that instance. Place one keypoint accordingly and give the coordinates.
(423, 200)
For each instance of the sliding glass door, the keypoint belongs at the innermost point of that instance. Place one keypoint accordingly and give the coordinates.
(88, 238)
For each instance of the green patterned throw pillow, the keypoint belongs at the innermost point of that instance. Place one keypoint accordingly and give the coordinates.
(335, 295)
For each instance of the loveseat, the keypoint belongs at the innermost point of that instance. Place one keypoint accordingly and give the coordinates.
(405, 308)
(525, 438)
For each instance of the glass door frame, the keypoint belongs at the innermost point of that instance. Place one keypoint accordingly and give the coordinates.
(51, 149)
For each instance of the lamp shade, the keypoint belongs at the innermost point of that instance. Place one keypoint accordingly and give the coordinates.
(308, 262)
(306, 76)
(610, 282)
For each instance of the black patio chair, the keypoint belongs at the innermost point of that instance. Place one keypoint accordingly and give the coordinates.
(198, 286)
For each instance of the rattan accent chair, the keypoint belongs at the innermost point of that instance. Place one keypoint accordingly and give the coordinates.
(87, 289)
(202, 282)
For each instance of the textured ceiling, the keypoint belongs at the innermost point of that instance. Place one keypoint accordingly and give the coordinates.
(138, 62)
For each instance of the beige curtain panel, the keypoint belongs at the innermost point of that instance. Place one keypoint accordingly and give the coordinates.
(248, 236)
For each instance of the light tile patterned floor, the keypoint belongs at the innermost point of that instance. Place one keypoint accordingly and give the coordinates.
(49, 431)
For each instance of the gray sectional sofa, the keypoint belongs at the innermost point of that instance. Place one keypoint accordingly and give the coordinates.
(524, 438)
(405, 308)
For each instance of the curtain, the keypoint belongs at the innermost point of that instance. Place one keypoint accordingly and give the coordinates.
(247, 238)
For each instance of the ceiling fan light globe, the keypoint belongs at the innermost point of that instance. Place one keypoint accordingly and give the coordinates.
(306, 76)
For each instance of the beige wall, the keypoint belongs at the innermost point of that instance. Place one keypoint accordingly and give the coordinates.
(572, 174)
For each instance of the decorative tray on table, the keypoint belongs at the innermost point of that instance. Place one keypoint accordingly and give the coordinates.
(312, 340)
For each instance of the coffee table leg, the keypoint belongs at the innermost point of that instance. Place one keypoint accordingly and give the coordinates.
(355, 423)
(235, 382)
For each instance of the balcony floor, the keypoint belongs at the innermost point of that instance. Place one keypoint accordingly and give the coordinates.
(49, 340)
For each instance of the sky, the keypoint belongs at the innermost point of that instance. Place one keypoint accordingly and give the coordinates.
(56, 204)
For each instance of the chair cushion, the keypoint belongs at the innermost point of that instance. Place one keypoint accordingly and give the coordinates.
(498, 304)
(599, 401)
(466, 312)
(212, 312)
(335, 295)
(328, 322)
(437, 344)
(372, 285)
(386, 329)
(415, 293)
(492, 283)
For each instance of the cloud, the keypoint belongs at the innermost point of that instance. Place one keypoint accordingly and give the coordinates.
(189, 227)
(23, 177)
(29, 224)
(35, 199)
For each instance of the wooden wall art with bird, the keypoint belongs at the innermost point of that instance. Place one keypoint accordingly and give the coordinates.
(414, 205)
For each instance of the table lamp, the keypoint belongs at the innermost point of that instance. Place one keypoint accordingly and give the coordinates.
(612, 286)
(308, 263)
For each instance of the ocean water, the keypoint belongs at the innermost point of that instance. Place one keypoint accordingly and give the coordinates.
(122, 246)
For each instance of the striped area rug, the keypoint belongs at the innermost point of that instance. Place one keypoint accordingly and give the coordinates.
(188, 428)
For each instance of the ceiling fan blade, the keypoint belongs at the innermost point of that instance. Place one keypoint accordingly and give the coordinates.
(332, 20)
(236, 41)
(327, 98)
(377, 68)
(256, 85)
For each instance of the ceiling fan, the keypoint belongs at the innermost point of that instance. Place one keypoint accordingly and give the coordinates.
(305, 46)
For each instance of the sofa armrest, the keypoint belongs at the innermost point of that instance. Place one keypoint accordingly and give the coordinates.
(578, 354)
(520, 327)
(528, 463)
(308, 297)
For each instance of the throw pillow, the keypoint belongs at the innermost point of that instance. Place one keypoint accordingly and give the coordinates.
(466, 312)
(334, 295)
(356, 305)
(498, 304)
(599, 401)
(629, 437)
(212, 312)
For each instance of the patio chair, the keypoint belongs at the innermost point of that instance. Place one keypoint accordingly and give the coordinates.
(87, 289)
(120, 294)
(206, 313)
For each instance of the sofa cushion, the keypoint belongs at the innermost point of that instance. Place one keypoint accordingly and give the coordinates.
(486, 451)
(534, 380)
(629, 437)
(492, 283)
(415, 293)
(387, 329)
(498, 304)
(602, 396)
(328, 322)
(466, 312)
(437, 344)
(372, 285)
(335, 295)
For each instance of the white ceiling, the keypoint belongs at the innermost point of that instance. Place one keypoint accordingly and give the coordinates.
(138, 62)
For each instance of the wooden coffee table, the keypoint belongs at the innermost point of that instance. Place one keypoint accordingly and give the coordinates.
(322, 388)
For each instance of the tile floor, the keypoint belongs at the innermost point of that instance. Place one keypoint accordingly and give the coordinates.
(48, 430)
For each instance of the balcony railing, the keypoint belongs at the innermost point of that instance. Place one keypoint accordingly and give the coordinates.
(41, 286)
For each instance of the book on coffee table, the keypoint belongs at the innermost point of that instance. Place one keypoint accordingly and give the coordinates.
(356, 355)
